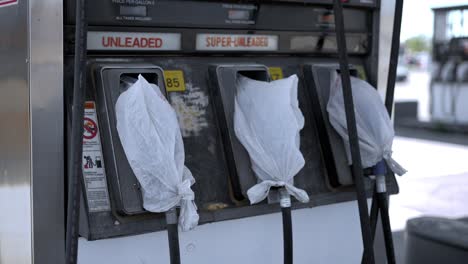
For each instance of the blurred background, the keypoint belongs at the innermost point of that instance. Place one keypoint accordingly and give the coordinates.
(431, 114)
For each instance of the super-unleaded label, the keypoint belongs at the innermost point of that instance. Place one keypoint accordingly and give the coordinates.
(133, 41)
(229, 42)
(93, 163)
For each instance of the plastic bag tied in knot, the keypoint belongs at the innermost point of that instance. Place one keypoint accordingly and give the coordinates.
(374, 127)
(150, 135)
(267, 121)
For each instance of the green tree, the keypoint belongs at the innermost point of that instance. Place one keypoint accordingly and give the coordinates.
(418, 44)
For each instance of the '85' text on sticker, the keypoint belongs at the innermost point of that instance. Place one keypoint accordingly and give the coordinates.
(174, 81)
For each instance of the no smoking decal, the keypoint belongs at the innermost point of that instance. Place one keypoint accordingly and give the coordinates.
(90, 128)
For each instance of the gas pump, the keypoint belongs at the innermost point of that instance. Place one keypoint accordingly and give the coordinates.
(195, 51)
(447, 85)
(200, 85)
(448, 76)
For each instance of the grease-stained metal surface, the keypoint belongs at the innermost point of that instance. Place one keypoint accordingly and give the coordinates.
(191, 109)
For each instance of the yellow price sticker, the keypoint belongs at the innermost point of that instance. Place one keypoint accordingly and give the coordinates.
(276, 73)
(174, 81)
(361, 72)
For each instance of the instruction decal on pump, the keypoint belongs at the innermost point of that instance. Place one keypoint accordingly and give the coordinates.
(276, 73)
(237, 42)
(93, 163)
(101, 40)
(5, 3)
(174, 81)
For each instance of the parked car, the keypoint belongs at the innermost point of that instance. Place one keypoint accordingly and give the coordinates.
(402, 72)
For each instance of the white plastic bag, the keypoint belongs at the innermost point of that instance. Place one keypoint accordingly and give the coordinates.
(267, 121)
(150, 135)
(374, 127)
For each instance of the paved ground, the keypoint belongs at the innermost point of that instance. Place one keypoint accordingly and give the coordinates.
(416, 88)
(437, 180)
(436, 183)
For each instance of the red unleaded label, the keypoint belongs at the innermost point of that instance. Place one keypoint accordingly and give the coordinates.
(4, 3)
(133, 41)
(229, 42)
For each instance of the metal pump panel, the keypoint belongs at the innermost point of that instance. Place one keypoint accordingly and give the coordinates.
(126, 192)
(224, 91)
(318, 79)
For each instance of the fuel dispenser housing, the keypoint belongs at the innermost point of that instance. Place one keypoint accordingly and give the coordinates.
(221, 166)
(167, 40)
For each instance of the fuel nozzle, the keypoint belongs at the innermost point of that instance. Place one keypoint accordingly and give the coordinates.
(285, 198)
(380, 170)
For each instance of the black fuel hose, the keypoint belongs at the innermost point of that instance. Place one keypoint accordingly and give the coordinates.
(287, 235)
(380, 198)
(285, 203)
(173, 236)
(381, 195)
(387, 230)
(374, 214)
(380, 204)
(75, 150)
(357, 171)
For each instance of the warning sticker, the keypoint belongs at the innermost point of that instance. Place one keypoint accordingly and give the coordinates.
(4, 3)
(90, 128)
(93, 164)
